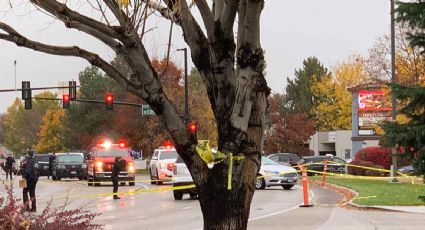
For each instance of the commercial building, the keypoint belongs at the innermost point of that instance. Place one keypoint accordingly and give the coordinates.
(337, 143)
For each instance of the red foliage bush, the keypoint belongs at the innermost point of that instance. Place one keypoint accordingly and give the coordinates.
(365, 172)
(13, 216)
(376, 155)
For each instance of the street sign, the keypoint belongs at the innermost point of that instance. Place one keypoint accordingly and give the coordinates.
(147, 110)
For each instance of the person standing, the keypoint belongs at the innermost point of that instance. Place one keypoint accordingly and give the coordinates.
(30, 173)
(119, 165)
(51, 160)
(10, 161)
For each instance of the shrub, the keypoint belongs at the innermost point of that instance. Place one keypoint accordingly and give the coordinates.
(376, 155)
(365, 172)
(381, 156)
(13, 216)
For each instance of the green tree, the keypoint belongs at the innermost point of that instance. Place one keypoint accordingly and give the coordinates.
(2, 117)
(410, 135)
(22, 126)
(52, 133)
(299, 97)
(413, 14)
(87, 121)
(12, 123)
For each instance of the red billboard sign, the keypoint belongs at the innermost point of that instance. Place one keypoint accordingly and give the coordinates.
(373, 100)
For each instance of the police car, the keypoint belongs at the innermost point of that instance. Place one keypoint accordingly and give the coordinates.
(162, 164)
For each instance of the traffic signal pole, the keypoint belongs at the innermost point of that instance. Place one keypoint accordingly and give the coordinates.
(186, 89)
(393, 98)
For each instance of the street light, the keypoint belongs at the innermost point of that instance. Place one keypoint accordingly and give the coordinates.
(393, 98)
(186, 91)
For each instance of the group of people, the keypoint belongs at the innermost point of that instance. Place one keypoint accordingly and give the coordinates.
(29, 172)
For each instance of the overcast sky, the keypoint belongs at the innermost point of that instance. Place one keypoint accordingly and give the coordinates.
(291, 30)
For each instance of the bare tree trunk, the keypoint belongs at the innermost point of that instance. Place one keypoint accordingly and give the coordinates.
(228, 209)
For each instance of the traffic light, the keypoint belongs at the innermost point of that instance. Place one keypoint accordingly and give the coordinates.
(72, 90)
(192, 127)
(65, 101)
(109, 99)
(26, 94)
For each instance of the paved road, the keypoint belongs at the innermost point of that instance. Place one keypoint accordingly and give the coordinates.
(156, 210)
(273, 208)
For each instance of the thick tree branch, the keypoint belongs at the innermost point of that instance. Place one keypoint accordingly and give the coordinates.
(218, 9)
(241, 21)
(114, 44)
(66, 15)
(228, 17)
(116, 10)
(94, 59)
(207, 17)
(252, 22)
(163, 10)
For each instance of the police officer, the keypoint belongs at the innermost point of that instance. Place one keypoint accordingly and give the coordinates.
(9, 166)
(51, 159)
(30, 173)
(119, 165)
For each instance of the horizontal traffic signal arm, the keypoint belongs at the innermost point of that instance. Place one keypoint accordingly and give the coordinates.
(37, 88)
(90, 101)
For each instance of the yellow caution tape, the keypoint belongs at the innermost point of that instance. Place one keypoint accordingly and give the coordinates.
(364, 197)
(230, 172)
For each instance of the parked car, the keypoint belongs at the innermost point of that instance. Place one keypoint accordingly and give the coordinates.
(316, 163)
(409, 170)
(288, 159)
(162, 164)
(182, 177)
(274, 174)
(69, 165)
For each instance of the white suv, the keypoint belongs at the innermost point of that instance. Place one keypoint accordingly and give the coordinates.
(162, 165)
(181, 177)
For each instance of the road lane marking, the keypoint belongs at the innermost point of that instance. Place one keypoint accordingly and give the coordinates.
(137, 217)
(187, 207)
(274, 213)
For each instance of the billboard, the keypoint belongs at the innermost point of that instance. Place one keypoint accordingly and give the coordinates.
(374, 100)
(374, 107)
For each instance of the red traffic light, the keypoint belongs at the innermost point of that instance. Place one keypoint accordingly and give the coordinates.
(192, 127)
(65, 98)
(65, 101)
(109, 99)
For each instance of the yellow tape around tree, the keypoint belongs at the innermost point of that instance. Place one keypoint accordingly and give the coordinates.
(208, 156)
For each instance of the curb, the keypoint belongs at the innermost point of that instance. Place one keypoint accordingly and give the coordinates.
(347, 201)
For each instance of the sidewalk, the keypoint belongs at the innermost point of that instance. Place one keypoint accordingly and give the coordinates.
(326, 214)
(411, 209)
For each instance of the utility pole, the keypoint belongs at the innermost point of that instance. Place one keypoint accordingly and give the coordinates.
(393, 99)
(14, 63)
(186, 90)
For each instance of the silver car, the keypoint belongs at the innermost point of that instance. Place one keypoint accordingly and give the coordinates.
(274, 174)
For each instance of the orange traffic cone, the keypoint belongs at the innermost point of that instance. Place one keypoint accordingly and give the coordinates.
(305, 188)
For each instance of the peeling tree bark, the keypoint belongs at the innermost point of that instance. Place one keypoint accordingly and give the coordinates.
(232, 72)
